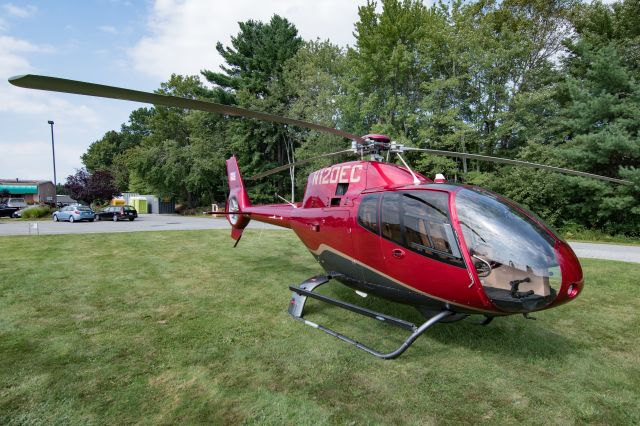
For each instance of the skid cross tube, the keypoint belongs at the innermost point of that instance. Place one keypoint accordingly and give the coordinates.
(357, 309)
(305, 290)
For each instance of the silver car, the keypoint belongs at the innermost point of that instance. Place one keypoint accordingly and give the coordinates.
(16, 202)
(74, 214)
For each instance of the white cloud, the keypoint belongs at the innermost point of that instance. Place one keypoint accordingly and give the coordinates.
(24, 114)
(20, 12)
(12, 62)
(108, 29)
(182, 34)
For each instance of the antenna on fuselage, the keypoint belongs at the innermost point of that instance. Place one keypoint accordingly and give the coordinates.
(416, 181)
(286, 201)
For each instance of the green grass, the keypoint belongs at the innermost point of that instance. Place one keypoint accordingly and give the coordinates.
(178, 327)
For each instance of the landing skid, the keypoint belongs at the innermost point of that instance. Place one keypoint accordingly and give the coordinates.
(299, 298)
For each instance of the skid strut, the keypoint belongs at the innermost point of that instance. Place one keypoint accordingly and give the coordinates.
(299, 297)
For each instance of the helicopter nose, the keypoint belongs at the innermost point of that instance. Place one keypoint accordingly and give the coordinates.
(572, 278)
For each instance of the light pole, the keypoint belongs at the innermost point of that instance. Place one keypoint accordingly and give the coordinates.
(53, 150)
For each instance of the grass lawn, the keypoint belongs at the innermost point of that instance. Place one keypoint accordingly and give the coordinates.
(179, 327)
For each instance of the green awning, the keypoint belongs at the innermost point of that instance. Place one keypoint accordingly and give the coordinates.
(19, 189)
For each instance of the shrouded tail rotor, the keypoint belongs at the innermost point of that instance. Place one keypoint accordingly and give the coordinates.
(238, 200)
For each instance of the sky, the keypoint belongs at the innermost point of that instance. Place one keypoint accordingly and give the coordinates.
(135, 44)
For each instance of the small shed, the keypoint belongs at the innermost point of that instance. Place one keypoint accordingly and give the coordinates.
(140, 204)
(155, 205)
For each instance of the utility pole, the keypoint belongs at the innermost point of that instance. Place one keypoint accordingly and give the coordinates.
(53, 150)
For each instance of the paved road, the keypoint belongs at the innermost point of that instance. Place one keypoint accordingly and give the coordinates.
(145, 222)
(154, 222)
(607, 251)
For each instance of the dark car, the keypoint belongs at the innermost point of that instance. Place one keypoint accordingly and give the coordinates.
(6, 211)
(116, 213)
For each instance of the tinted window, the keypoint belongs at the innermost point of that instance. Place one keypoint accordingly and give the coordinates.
(415, 225)
(419, 220)
(391, 217)
(368, 213)
(426, 220)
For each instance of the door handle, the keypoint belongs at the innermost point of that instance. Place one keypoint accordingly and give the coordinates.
(397, 253)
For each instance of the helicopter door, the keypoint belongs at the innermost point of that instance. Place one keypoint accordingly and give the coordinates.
(366, 242)
(418, 243)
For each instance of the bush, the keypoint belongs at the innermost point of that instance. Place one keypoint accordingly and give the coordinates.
(36, 212)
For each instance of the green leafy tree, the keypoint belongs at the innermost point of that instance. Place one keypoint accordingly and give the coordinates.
(600, 116)
(252, 78)
(110, 152)
(182, 154)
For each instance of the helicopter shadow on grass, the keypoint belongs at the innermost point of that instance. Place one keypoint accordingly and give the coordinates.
(511, 336)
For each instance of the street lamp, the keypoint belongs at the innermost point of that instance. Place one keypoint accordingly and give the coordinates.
(53, 150)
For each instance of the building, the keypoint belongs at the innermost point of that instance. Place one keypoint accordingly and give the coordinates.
(33, 191)
(65, 200)
(155, 205)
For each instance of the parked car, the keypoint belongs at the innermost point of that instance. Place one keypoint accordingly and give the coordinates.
(74, 213)
(18, 213)
(6, 211)
(16, 202)
(116, 213)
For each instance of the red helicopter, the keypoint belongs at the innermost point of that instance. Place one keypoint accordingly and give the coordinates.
(449, 250)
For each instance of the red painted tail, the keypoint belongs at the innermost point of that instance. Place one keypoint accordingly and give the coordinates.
(238, 199)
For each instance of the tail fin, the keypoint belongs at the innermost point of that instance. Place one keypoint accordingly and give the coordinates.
(238, 199)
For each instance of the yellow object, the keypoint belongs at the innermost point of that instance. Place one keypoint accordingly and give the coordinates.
(139, 203)
(117, 202)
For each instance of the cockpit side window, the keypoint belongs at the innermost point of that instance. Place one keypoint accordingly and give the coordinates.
(419, 221)
(390, 221)
(368, 213)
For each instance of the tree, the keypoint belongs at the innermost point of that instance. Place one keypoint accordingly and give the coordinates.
(182, 155)
(386, 69)
(252, 78)
(61, 190)
(91, 187)
(111, 151)
(314, 80)
(600, 116)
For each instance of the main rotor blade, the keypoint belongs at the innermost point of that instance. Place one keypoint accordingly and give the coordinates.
(55, 84)
(297, 163)
(517, 163)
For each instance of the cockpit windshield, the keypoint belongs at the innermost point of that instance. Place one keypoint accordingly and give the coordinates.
(512, 253)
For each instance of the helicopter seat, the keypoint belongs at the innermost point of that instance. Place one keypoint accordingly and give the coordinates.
(438, 236)
(391, 232)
